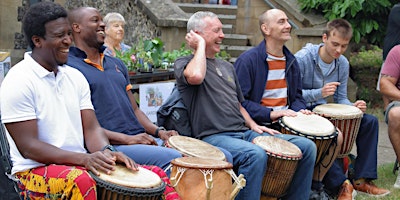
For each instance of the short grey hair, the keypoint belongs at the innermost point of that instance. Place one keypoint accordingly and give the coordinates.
(195, 22)
(113, 17)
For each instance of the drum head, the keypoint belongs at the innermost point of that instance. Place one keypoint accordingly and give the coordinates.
(195, 148)
(314, 125)
(278, 147)
(338, 111)
(200, 163)
(123, 176)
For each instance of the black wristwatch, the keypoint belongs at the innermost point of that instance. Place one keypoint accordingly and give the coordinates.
(158, 129)
(109, 147)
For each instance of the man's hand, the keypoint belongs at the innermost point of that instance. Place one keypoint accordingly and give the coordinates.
(264, 129)
(361, 105)
(142, 138)
(275, 115)
(164, 135)
(104, 161)
(193, 39)
(329, 89)
(306, 112)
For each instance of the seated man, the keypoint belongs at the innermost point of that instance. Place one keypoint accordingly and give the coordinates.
(127, 127)
(390, 88)
(271, 84)
(54, 135)
(211, 92)
(324, 72)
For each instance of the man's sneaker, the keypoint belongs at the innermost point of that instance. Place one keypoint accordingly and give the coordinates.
(397, 183)
(369, 188)
(319, 195)
(346, 191)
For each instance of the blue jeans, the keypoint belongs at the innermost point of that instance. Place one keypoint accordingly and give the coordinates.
(150, 154)
(367, 156)
(251, 161)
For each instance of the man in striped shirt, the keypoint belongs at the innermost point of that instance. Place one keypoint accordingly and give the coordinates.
(270, 80)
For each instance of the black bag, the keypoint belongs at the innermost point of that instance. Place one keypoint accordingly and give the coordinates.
(173, 114)
(8, 188)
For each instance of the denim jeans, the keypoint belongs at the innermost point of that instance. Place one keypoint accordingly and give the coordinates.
(251, 161)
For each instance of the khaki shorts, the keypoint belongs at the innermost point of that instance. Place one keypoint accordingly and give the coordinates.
(390, 106)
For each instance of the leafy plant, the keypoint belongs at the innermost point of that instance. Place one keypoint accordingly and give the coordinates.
(367, 58)
(365, 16)
(171, 56)
(143, 54)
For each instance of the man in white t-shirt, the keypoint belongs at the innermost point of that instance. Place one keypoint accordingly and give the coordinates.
(54, 135)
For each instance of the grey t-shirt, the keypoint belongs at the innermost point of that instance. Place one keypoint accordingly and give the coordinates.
(213, 106)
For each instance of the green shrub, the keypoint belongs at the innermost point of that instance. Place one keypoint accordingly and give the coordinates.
(367, 58)
(368, 17)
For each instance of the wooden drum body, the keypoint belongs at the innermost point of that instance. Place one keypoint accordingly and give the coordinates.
(314, 127)
(346, 118)
(123, 184)
(283, 158)
(192, 147)
(204, 179)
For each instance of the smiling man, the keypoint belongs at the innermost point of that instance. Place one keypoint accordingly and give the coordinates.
(54, 135)
(324, 72)
(271, 85)
(211, 92)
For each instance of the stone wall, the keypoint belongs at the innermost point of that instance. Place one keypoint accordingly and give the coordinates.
(137, 24)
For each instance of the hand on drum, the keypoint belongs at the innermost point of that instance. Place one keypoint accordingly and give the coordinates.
(105, 161)
(164, 135)
(306, 112)
(142, 138)
(361, 105)
(329, 89)
(275, 115)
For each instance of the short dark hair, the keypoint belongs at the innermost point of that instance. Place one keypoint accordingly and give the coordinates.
(37, 16)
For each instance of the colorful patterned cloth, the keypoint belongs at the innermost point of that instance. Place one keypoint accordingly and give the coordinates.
(57, 182)
(71, 182)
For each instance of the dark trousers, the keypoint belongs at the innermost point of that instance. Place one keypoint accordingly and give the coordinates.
(366, 161)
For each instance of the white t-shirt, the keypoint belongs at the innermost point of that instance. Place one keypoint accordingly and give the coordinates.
(31, 92)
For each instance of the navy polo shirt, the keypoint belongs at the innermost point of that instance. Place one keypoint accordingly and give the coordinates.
(108, 92)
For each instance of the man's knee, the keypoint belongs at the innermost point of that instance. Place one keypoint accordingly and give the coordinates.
(394, 114)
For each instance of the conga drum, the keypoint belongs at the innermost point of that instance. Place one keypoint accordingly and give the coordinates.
(283, 158)
(314, 127)
(204, 179)
(193, 147)
(123, 184)
(346, 118)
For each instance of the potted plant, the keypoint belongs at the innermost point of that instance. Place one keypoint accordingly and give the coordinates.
(129, 59)
(169, 57)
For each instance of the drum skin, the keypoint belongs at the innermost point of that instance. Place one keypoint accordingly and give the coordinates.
(191, 184)
(314, 127)
(283, 158)
(123, 184)
(346, 118)
(192, 147)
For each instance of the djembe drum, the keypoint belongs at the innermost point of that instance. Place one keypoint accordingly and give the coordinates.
(205, 179)
(124, 184)
(283, 158)
(314, 127)
(192, 147)
(346, 118)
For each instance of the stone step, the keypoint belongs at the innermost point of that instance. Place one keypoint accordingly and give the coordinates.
(235, 51)
(227, 28)
(215, 8)
(235, 40)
